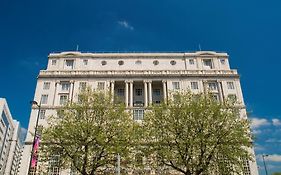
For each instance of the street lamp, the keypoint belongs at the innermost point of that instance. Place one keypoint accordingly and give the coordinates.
(263, 156)
(35, 133)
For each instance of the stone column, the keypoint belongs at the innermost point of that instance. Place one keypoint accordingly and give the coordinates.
(112, 90)
(126, 93)
(145, 93)
(205, 88)
(71, 90)
(150, 92)
(164, 90)
(220, 91)
(131, 93)
(55, 94)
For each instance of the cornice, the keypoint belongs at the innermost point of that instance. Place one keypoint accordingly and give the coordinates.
(137, 55)
(138, 73)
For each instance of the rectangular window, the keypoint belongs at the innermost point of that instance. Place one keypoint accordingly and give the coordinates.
(156, 92)
(46, 85)
(230, 85)
(42, 114)
(191, 61)
(176, 85)
(208, 63)
(82, 85)
(54, 62)
(53, 167)
(63, 99)
(69, 64)
(194, 85)
(120, 92)
(215, 97)
(44, 99)
(101, 85)
(138, 114)
(222, 61)
(65, 86)
(85, 62)
(138, 92)
(212, 86)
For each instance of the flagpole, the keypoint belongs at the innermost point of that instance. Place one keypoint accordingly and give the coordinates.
(35, 133)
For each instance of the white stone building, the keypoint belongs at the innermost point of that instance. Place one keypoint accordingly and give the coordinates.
(139, 79)
(10, 143)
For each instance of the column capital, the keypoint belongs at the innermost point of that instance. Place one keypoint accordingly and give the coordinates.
(147, 81)
(164, 81)
(112, 81)
(71, 81)
(129, 81)
(57, 81)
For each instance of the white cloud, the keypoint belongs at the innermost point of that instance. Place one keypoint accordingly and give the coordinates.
(272, 140)
(276, 122)
(270, 158)
(258, 122)
(274, 158)
(125, 24)
(256, 131)
(259, 148)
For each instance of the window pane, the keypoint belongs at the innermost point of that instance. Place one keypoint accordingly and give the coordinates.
(85, 62)
(230, 85)
(69, 63)
(54, 62)
(156, 92)
(63, 99)
(207, 63)
(212, 86)
(215, 97)
(191, 61)
(138, 114)
(194, 85)
(82, 85)
(101, 85)
(46, 85)
(176, 85)
(44, 99)
(120, 92)
(222, 61)
(42, 114)
(138, 92)
(65, 86)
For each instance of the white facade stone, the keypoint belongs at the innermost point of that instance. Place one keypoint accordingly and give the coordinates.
(138, 78)
(10, 143)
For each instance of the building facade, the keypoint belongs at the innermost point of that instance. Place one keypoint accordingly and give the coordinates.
(10, 144)
(138, 79)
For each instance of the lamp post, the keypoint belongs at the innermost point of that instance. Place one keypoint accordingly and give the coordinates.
(263, 156)
(35, 132)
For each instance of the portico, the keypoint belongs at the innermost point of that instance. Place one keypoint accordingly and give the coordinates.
(139, 93)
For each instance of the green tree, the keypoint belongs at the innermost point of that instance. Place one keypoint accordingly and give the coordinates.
(195, 134)
(89, 134)
(276, 173)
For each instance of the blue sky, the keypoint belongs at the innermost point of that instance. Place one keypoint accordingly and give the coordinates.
(249, 31)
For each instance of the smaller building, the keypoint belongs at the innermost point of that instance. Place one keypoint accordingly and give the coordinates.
(10, 143)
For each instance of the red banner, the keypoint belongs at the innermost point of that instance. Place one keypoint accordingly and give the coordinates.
(35, 152)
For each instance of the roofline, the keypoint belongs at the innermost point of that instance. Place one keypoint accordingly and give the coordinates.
(137, 54)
